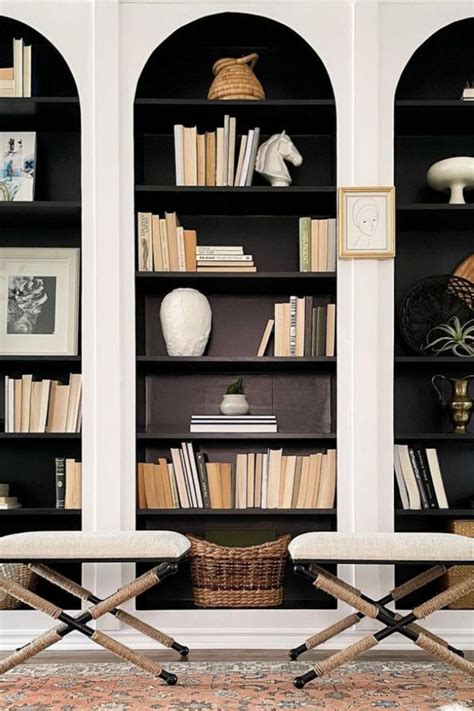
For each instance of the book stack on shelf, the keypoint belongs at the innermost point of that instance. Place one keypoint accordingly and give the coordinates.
(68, 483)
(209, 159)
(6, 501)
(224, 259)
(419, 478)
(301, 329)
(262, 480)
(16, 81)
(318, 246)
(234, 423)
(43, 405)
(165, 246)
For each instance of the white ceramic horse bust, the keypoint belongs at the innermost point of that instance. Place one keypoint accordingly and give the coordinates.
(271, 159)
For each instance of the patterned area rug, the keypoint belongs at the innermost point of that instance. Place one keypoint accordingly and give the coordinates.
(239, 686)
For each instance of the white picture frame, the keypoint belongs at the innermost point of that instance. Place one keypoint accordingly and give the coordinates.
(39, 301)
(366, 222)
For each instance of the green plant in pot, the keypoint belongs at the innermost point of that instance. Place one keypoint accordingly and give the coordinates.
(234, 401)
(452, 337)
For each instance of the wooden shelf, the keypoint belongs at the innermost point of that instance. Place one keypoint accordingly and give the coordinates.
(40, 435)
(196, 436)
(236, 512)
(432, 360)
(445, 513)
(436, 217)
(436, 437)
(40, 362)
(248, 364)
(40, 512)
(40, 213)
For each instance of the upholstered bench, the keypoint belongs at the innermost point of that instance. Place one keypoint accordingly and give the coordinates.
(440, 550)
(163, 549)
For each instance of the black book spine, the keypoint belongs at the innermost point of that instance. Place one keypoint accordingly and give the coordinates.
(419, 481)
(426, 478)
(202, 473)
(60, 482)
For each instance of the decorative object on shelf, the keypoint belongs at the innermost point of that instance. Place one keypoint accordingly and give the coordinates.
(271, 157)
(465, 269)
(186, 318)
(39, 301)
(17, 166)
(18, 573)
(234, 402)
(468, 92)
(453, 174)
(7, 501)
(366, 222)
(458, 573)
(459, 404)
(225, 576)
(436, 314)
(235, 79)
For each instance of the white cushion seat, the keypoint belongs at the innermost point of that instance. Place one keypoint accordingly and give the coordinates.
(381, 547)
(94, 546)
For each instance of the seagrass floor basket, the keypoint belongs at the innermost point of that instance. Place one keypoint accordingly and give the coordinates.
(460, 572)
(225, 576)
(21, 574)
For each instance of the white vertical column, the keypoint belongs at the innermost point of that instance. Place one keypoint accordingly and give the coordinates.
(373, 314)
(102, 491)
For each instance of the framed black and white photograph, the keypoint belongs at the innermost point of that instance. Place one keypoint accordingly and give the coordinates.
(366, 222)
(39, 301)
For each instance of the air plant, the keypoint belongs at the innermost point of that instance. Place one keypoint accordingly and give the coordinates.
(458, 338)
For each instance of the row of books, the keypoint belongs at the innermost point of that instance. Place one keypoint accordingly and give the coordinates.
(7, 501)
(16, 80)
(43, 405)
(234, 423)
(318, 245)
(267, 480)
(419, 478)
(209, 159)
(301, 329)
(68, 483)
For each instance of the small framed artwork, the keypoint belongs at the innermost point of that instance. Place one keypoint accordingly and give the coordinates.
(39, 301)
(366, 223)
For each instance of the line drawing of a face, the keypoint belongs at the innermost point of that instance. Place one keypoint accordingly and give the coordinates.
(365, 216)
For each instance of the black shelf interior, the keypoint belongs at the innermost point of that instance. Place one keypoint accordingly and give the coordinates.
(433, 237)
(264, 220)
(53, 219)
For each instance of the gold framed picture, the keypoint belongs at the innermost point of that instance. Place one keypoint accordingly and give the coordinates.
(366, 222)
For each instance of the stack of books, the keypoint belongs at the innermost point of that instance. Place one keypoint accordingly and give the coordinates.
(224, 259)
(468, 92)
(318, 245)
(301, 329)
(233, 423)
(265, 480)
(163, 245)
(43, 405)
(209, 159)
(419, 478)
(7, 501)
(68, 483)
(16, 81)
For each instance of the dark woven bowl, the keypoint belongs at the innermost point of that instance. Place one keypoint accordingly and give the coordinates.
(431, 302)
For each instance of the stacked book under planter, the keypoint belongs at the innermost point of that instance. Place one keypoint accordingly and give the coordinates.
(233, 423)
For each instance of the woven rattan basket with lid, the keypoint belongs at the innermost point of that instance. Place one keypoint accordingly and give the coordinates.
(238, 577)
(460, 572)
(234, 79)
(21, 574)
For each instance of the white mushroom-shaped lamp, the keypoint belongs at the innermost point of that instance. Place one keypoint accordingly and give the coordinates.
(453, 174)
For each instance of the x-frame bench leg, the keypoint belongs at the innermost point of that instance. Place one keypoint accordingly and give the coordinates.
(79, 623)
(376, 610)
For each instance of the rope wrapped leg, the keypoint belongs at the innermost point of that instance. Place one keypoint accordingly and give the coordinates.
(464, 587)
(128, 655)
(30, 650)
(419, 581)
(324, 635)
(441, 652)
(336, 660)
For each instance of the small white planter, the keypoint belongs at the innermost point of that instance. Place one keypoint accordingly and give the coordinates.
(234, 405)
(454, 174)
(186, 318)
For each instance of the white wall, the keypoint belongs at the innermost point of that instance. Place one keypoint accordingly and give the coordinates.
(365, 45)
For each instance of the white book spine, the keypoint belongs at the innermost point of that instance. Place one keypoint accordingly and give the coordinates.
(194, 474)
(264, 481)
(181, 250)
(224, 257)
(436, 478)
(7, 419)
(179, 153)
(332, 245)
(188, 475)
(246, 161)
(253, 156)
(231, 155)
(400, 480)
(293, 305)
(145, 245)
(225, 167)
(219, 249)
(18, 66)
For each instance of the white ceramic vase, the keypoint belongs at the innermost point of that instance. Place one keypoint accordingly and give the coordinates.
(454, 174)
(234, 405)
(186, 318)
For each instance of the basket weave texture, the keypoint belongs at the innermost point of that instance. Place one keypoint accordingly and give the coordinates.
(21, 574)
(224, 576)
(458, 573)
(234, 79)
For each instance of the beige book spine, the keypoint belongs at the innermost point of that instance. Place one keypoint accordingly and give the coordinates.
(241, 481)
(142, 504)
(43, 405)
(57, 422)
(240, 161)
(190, 155)
(211, 158)
(145, 246)
(231, 155)
(250, 480)
(265, 338)
(296, 486)
(274, 469)
(225, 474)
(17, 405)
(214, 484)
(219, 157)
(150, 485)
(26, 381)
(315, 468)
(331, 330)
(258, 479)
(327, 487)
(279, 319)
(172, 235)
(315, 267)
(174, 487)
(77, 499)
(70, 476)
(323, 245)
(75, 385)
(167, 492)
(201, 159)
(303, 484)
(35, 403)
(289, 481)
(190, 242)
(282, 482)
(300, 326)
(181, 249)
(164, 245)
